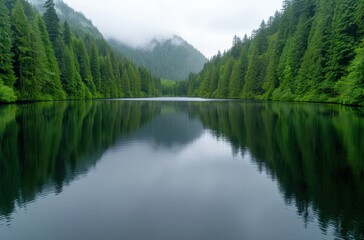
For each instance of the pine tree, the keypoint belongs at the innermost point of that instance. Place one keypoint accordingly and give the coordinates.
(107, 78)
(125, 84)
(95, 67)
(223, 86)
(80, 53)
(351, 87)
(67, 36)
(134, 79)
(291, 59)
(21, 29)
(239, 71)
(146, 82)
(52, 85)
(359, 18)
(340, 45)
(39, 67)
(115, 65)
(9, 4)
(51, 20)
(311, 72)
(7, 76)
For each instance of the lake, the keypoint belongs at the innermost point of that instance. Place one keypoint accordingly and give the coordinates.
(181, 169)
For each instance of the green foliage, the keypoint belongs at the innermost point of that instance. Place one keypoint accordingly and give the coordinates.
(83, 64)
(6, 69)
(7, 93)
(51, 19)
(303, 53)
(168, 87)
(95, 67)
(172, 58)
(125, 84)
(67, 36)
(52, 82)
(41, 61)
(351, 87)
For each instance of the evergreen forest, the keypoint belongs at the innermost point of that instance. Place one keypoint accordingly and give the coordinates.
(172, 58)
(42, 58)
(311, 50)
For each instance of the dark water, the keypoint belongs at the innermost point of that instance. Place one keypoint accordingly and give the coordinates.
(181, 170)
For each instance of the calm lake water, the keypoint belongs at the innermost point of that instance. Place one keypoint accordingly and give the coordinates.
(181, 170)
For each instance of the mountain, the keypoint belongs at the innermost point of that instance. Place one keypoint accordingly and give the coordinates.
(77, 20)
(171, 58)
(312, 50)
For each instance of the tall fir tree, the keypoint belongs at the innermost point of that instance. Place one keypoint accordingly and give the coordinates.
(7, 77)
(351, 86)
(21, 28)
(6, 69)
(341, 44)
(66, 34)
(52, 85)
(95, 67)
(81, 55)
(51, 20)
(125, 84)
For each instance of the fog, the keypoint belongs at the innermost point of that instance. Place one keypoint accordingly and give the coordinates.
(209, 25)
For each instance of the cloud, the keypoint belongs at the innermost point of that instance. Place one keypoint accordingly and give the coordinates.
(207, 24)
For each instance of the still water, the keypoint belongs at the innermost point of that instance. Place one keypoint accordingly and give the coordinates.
(178, 170)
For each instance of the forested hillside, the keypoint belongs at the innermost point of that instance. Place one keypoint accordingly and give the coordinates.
(171, 58)
(312, 50)
(43, 59)
(76, 20)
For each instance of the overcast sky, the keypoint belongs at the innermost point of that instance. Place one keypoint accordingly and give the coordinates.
(209, 25)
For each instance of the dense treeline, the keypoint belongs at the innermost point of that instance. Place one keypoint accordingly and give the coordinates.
(42, 59)
(312, 50)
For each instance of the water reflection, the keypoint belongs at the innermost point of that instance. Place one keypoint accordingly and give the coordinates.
(313, 152)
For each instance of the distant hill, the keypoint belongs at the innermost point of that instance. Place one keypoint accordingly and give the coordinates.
(76, 20)
(171, 58)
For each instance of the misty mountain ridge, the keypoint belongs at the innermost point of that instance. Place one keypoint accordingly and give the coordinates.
(167, 58)
(173, 40)
(77, 20)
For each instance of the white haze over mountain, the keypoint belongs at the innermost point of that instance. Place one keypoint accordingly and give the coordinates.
(209, 25)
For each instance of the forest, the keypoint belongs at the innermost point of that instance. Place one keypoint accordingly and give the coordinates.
(311, 50)
(172, 58)
(43, 58)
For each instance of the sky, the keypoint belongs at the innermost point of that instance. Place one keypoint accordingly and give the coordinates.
(209, 25)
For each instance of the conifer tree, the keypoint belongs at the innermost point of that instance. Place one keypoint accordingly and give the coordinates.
(134, 79)
(95, 67)
(223, 86)
(7, 76)
(351, 87)
(67, 36)
(125, 84)
(9, 4)
(51, 20)
(52, 85)
(82, 58)
(311, 72)
(235, 85)
(340, 44)
(21, 28)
